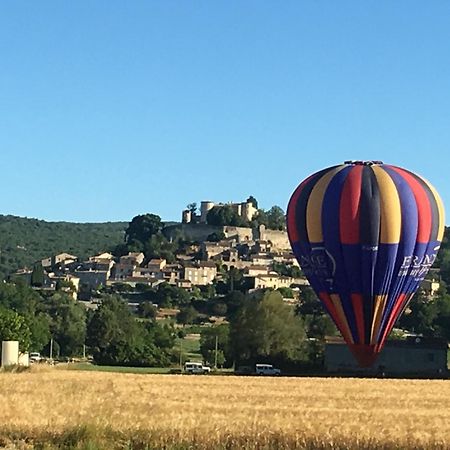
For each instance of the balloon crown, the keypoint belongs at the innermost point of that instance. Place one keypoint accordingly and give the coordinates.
(363, 163)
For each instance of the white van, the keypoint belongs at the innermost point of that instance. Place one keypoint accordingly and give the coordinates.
(196, 367)
(267, 369)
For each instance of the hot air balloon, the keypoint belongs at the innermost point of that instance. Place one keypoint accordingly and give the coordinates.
(365, 234)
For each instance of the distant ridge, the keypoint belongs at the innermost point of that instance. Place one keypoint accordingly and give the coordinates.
(24, 241)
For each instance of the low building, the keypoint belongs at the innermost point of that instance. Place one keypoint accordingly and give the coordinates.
(262, 259)
(413, 356)
(132, 259)
(60, 258)
(172, 273)
(121, 271)
(156, 265)
(256, 270)
(200, 273)
(92, 279)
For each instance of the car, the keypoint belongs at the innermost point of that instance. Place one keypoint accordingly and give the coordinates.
(191, 367)
(267, 369)
(35, 357)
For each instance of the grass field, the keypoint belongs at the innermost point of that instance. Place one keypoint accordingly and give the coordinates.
(50, 408)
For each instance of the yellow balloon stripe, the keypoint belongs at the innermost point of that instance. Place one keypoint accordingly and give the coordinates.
(379, 305)
(341, 314)
(441, 210)
(390, 208)
(314, 207)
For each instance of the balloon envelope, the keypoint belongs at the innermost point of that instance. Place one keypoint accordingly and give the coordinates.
(365, 235)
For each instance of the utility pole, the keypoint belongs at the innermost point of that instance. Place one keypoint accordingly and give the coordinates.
(51, 349)
(181, 353)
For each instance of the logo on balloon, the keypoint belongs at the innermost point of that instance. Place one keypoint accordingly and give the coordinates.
(319, 264)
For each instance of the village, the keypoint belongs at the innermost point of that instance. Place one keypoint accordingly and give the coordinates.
(254, 252)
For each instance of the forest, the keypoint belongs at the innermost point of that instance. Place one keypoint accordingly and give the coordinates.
(24, 241)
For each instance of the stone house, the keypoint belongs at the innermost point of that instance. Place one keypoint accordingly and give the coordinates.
(200, 273)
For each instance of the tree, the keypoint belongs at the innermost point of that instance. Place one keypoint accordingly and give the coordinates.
(233, 280)
(40, 331)
(67, 322)
(276, 219)
(112, 333)
(318, 323)
(420, 315)
(266, 329)
(208, 337)
(115, 337)
(187, 314)
(442, 321)
(147, 310)
(20, 298)
(260, 218)
(192, 208)
(142, 228)
(216, 236)
(14, 327)
(224, 215)
(168, 295)
(37, 276)
(234, 300)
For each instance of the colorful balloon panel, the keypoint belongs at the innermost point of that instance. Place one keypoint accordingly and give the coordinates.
(365, 235)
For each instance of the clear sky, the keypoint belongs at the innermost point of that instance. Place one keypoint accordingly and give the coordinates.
(109, 109)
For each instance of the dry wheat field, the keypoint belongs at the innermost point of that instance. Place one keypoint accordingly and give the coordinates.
(95, 410)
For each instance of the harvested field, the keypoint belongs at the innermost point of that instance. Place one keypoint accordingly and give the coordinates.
(68, 409)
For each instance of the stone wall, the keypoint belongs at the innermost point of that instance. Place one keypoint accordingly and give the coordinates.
(199, 232)
(279, 239)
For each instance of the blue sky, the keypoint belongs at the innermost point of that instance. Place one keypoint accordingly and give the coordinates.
(109, 109)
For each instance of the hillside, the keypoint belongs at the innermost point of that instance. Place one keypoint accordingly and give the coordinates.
(24, 241)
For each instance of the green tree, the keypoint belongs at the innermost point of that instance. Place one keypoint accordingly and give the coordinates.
(260, 218)
(216, 236)
(317, 322)
(20, 298)
(192, 207)
(233, 280)
(208, 338)
(40, 331)
(224, 215)
(37, 276)
(442, 320)
(267, 329)
(276, 219)
(234, 300)
(67, 322)
(142, 228)
(14, 327)
(147, 310)
(168, 295)
(115, 337)
(420, 315)
(187, 315)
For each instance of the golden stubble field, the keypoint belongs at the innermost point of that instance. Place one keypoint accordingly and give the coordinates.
(45, 409)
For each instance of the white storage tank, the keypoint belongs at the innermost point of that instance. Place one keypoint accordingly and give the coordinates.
(10, 353)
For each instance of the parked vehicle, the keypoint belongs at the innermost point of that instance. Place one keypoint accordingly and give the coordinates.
(35, 357)
(267, 369)
(195, 368)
